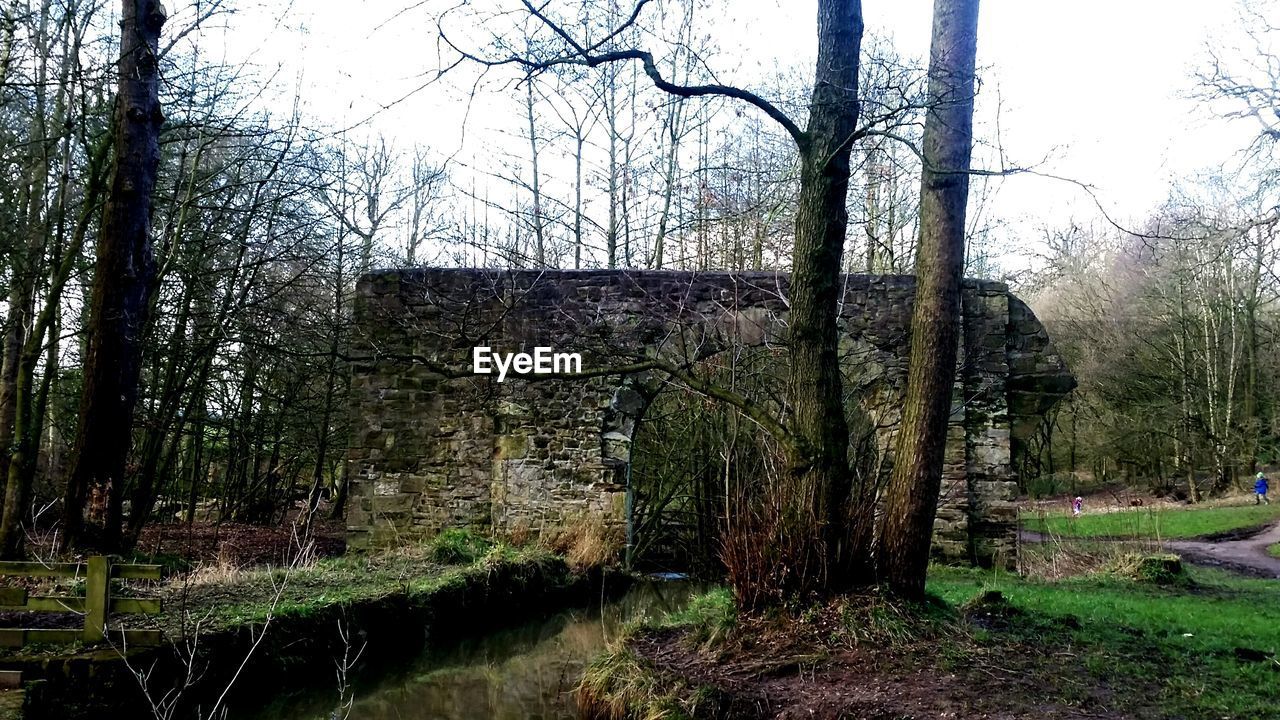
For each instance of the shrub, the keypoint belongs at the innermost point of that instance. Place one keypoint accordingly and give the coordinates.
(1154, 569)
(772, 544)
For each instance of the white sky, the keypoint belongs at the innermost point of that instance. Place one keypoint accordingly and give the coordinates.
(1094, 90)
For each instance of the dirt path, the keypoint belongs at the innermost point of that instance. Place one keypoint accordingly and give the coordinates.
(1245, 554)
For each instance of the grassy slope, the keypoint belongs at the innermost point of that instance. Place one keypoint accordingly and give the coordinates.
(1180, 641)
(1151, 523)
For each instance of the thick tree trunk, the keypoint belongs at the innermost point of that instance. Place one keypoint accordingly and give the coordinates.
(123, 276)
(819, 464)
(912, 497)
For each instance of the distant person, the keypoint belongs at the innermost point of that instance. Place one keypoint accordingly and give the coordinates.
(1077, 506)
(1260, 488)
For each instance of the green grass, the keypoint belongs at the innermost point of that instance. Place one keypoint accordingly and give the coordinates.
(619, 684)
(1152, 523)
(1274, 550)
(1180, 642)
(456, 546)
(710, 617)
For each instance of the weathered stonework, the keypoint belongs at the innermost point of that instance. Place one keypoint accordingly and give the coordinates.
(434, 446)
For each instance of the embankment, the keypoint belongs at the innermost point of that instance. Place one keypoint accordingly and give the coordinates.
(297, 644)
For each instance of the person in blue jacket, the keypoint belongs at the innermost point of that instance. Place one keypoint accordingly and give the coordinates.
(1260, 490)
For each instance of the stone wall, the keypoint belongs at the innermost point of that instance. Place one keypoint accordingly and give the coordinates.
(434, 446)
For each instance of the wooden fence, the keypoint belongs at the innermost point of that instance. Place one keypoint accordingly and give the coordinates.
(96, 604)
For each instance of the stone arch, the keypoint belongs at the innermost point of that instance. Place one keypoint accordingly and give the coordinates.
(436, 446)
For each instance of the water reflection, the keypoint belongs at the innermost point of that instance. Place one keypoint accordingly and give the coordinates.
(524, 673)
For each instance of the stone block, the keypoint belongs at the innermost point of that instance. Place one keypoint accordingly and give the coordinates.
(392, 504)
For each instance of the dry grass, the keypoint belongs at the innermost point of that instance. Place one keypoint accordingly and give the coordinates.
(222, 571)
(521, 533)
(586, 542)
(1057, 557)
(225, 570)
(620, 686)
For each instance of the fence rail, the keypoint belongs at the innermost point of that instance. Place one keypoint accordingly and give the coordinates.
(95, 606)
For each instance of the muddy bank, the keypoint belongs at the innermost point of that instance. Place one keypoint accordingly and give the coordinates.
(300, 649)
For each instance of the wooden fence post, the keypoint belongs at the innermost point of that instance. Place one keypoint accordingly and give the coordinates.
(97, 599)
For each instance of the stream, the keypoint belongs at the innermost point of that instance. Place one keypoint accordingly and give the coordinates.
(523, 672)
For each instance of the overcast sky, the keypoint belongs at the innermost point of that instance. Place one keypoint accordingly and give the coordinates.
(1095, 90)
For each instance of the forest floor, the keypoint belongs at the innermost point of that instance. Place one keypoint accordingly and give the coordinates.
(1116, 642)
(185, 546)
(199, 556)
(222, 595)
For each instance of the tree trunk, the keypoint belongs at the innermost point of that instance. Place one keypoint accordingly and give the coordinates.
(579, 139)
(611, 113)
(331, 381)
(539, 233)
(819, 464)
(123, 275)
(912, 496)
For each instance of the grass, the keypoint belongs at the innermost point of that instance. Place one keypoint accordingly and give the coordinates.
(1155, 640)
(710, 617)
(619, 684)
(1274, 550)
(221, 598)
(10, 705)
(456, 547)
(1203, 651)
(1155, 523)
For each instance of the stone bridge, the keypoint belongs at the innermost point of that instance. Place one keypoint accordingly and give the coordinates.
(435, 446)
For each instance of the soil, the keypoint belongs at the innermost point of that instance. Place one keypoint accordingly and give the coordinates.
(236, 543)
(41, 620)
(777, 675)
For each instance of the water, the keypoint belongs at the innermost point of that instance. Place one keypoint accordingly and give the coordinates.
(522, 673)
